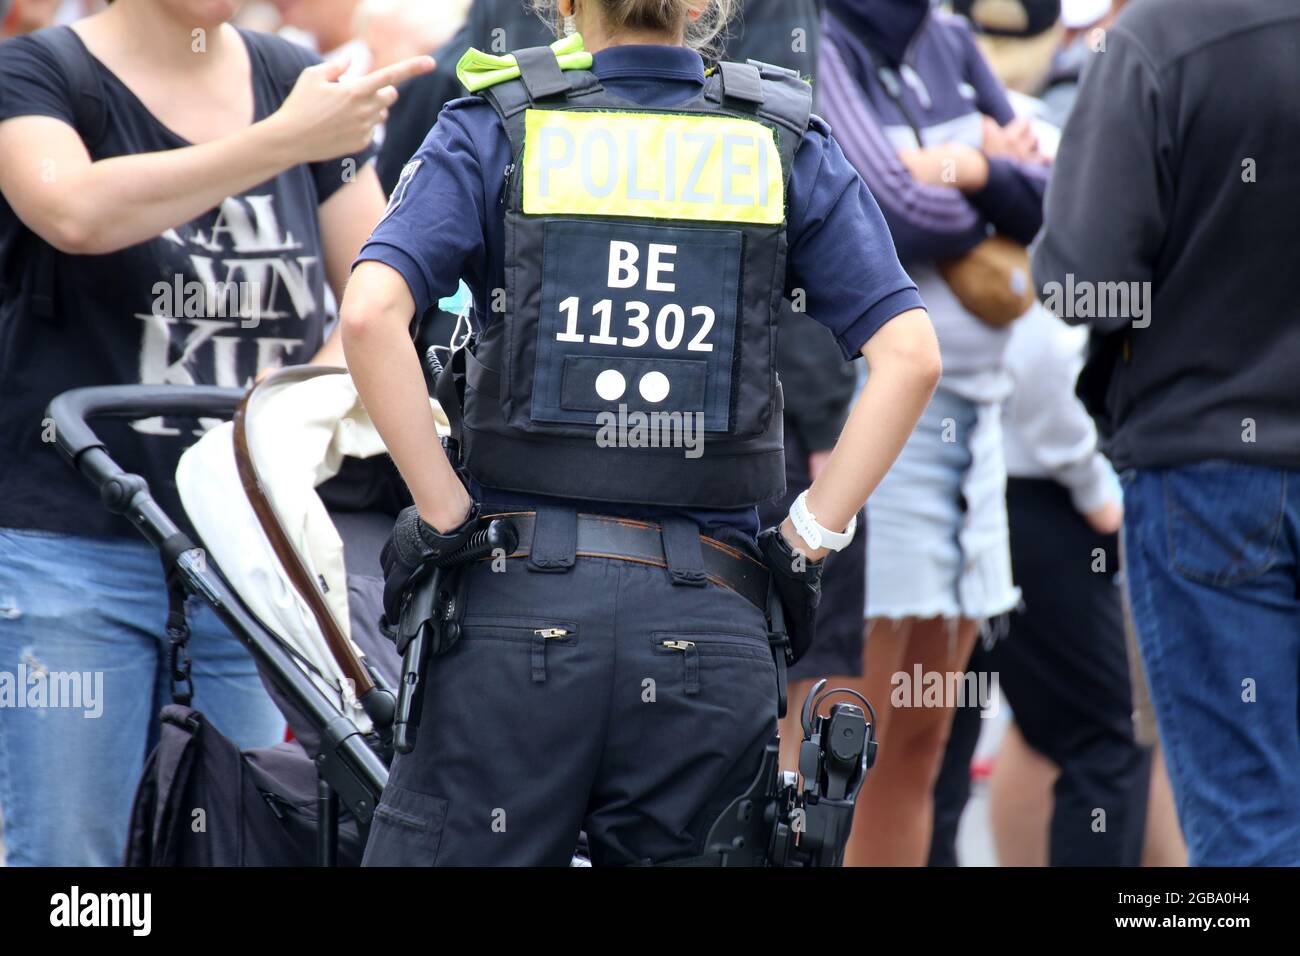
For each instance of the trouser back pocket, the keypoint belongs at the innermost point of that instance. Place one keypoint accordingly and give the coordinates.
(720, 657)
(534, 634)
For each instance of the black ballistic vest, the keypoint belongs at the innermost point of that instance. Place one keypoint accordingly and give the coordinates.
(635, 360)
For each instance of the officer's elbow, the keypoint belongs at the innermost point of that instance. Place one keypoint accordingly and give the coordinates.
(375, 303)
(928, 364)
(907, 345)
(358, 320)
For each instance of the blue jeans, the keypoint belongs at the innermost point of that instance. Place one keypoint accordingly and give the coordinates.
(1212, 553)
(82, 622)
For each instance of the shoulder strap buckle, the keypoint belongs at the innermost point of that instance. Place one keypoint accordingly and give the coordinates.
(539, 70)
(742, 82)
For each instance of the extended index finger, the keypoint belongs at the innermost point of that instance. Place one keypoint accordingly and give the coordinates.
(396, 74)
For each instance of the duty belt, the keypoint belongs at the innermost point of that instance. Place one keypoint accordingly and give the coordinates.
(641, 542)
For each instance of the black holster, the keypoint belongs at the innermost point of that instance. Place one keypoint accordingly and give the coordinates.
(799, 592)
(429, 624)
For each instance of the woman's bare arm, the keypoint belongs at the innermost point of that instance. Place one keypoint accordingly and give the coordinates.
(91, 208)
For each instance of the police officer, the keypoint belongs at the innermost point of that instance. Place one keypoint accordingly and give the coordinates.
(627, 222)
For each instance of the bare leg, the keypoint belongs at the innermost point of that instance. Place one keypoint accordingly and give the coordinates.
(1164, 844)
(1020, 801)
(895, 814)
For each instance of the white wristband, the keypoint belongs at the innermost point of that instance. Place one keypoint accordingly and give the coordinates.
(806, 526)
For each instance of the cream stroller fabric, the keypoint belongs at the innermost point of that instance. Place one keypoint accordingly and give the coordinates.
(300, 424)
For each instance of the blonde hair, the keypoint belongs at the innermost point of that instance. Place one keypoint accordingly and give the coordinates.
(701, 34)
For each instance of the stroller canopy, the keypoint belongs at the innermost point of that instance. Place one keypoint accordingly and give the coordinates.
(300, 424)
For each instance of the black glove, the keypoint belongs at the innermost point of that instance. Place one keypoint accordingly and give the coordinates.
(799, 586)
(413, 546)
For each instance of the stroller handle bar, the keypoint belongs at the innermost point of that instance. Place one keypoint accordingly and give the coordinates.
(76, 440)
(72, 410)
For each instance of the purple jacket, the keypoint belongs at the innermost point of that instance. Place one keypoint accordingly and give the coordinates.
(935, 93)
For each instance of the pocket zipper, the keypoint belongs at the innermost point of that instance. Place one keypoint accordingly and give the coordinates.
(690, 664)
(539, 650)
(518, 632)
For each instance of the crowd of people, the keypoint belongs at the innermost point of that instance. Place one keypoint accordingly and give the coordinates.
(1082, 192)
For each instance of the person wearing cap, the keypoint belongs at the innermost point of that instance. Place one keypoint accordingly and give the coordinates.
(1085, 22)
(931, 129)
(1017, 37)
(1062, 663)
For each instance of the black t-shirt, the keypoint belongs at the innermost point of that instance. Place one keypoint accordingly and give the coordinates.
(210, 302)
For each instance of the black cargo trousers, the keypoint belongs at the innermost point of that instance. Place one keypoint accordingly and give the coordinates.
(599, 696)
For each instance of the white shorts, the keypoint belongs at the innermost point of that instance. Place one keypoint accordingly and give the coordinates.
(937, 540)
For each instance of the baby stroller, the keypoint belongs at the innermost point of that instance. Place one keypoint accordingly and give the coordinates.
(297, 581)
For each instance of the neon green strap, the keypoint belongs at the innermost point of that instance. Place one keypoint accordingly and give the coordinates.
(478, 70)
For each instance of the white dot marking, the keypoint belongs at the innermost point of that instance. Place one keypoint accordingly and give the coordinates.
(610, 384)
(654, 386)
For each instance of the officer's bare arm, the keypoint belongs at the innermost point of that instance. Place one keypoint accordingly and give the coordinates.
(903, 359)
(375, 316)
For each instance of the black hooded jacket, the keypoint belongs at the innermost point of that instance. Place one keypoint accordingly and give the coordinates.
(1173, 227)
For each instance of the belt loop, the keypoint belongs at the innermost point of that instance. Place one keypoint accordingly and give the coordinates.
(554, 548)
(682, 552)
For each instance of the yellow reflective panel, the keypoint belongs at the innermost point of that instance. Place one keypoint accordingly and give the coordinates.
(661, 166)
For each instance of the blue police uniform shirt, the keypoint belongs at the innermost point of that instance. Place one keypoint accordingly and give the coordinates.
(446, 221)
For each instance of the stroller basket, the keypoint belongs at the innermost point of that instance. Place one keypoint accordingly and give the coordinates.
(349, 773)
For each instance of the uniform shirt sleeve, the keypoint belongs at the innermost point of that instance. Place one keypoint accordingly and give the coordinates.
(433, 232)
(30, 84)
(842, 263)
